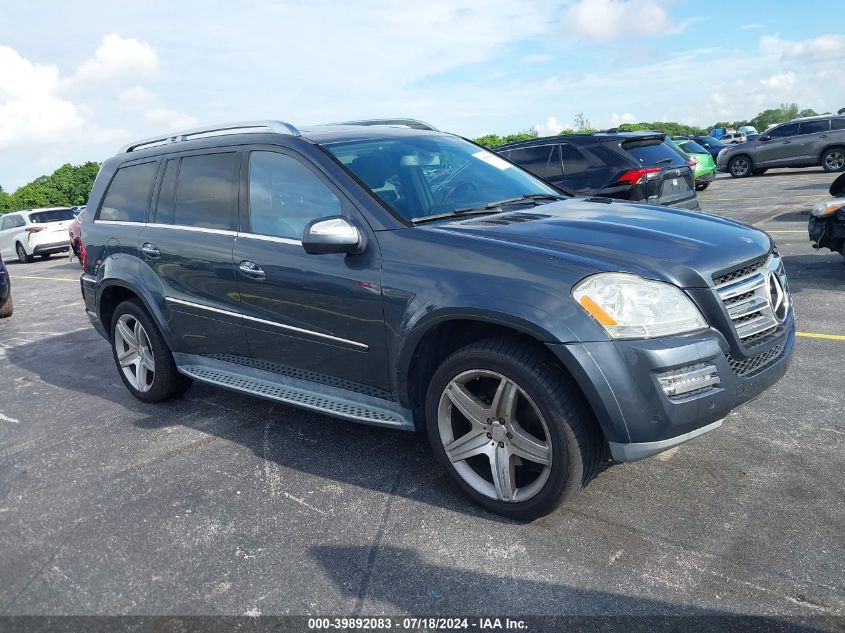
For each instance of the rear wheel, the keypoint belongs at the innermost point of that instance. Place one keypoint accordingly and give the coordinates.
(834, 159)
(6, 307)
(510, 430)
(21, 253)
(740, 167)
(143, 360)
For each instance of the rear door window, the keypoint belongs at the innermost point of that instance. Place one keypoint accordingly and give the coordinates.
(207, 191)
(167, 193)
(814, 127)
(128, 196)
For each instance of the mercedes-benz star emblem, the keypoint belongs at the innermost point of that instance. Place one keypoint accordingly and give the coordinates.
(777, 297)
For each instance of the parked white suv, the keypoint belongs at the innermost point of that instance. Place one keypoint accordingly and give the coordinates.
(25, 234)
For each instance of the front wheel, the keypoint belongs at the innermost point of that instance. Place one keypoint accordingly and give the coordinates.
(6, 307)
(143, 359)
(833, 159)
(21, 253)
(740, 167)
(510, 430)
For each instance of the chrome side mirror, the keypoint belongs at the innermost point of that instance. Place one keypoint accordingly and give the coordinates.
(334, 234)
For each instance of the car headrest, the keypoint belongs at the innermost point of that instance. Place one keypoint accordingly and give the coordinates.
(372, 169)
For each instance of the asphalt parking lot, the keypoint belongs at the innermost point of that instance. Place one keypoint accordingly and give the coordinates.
(218, 503)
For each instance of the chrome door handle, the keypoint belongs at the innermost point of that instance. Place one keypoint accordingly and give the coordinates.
(252, 270)
(150, 250)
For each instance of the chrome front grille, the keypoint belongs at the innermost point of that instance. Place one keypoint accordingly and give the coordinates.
(745, 293)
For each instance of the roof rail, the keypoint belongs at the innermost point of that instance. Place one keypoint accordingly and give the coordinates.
(221, 129)
(411, 123)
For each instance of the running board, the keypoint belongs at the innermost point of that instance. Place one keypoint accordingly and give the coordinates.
(338, 403)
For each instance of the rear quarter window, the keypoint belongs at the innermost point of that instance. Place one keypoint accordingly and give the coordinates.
(128, 195)
(837, 124)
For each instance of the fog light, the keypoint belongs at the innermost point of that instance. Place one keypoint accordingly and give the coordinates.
(680, 382)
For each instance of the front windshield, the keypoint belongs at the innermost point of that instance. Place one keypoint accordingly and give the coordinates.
(426, 175)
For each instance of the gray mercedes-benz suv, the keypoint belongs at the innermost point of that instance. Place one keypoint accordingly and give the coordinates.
(404, 277)
(806, 142)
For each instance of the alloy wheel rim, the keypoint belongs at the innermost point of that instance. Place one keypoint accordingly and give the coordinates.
(134, 353)
(495, 436)
(740, 167)
(835, 160)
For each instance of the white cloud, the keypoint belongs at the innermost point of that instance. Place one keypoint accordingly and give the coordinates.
(551, 127)
(824, 48)
(116, 59)
(607, 19)
(28, 108)
(137, 98)
(625, 117)
(166, 120)
(780, 80)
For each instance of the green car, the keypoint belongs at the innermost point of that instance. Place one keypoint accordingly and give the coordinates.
(704, 167)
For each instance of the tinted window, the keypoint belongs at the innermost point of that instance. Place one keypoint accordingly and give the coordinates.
(167, 193)
(534, 159)
(17, 221)
(837, 124)
(813, 127)
(129, 194)
(691, 147)
(206, 192)
(784, 130)
(56, 215)
(651, 152)
(284, 196)
(429, 174)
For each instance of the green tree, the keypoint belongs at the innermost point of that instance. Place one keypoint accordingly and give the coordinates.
(492, 141)
(5, 201)
(30, 196)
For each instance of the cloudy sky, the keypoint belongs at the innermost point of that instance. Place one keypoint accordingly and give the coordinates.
(77, 80)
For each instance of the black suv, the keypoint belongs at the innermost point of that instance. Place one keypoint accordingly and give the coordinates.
(635, 166)
(411, 279)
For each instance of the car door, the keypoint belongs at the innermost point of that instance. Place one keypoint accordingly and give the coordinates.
(318, 315)
(186, 252)
(13, 228)
(812, 137)
(780, 149)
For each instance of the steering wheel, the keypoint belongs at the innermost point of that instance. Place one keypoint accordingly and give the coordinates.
(463, 189)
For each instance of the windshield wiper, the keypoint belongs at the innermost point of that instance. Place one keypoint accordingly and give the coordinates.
(490, 207)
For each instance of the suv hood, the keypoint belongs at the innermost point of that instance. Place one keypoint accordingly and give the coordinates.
(682, 247)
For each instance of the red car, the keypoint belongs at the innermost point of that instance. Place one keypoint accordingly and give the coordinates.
(77, 248)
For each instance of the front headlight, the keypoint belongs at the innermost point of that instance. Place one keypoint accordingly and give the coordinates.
(824, 208)
(628, 306)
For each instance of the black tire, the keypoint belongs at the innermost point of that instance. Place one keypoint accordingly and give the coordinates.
(833, 159)
(6, 308)
(702, 186)
(21, 253)
(578, 447)
(167, 382)
(740, 166)
(759, 172)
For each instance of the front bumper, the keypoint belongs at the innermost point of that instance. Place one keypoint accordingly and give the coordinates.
(620, 382)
